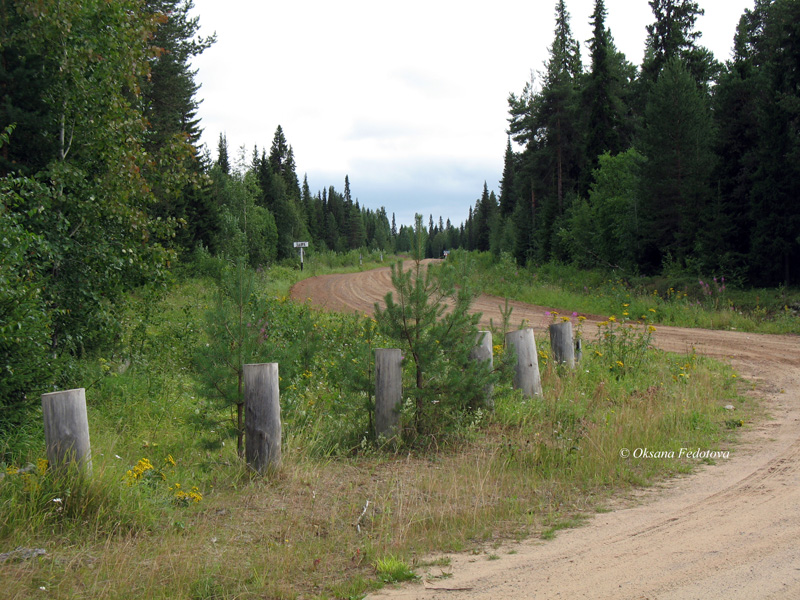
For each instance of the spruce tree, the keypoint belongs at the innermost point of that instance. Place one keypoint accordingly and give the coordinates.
(222, 154)
(673, 36)
(548, 123)
(557, 109)
(775, 211)
(507, 196)
(484, 218)
(675, 184)
(170, 90)
(604, 98)
(736, 119)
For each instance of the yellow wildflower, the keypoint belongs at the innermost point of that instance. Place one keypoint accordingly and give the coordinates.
(139, 470)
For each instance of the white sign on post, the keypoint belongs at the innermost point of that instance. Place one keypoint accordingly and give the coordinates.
(301, 245)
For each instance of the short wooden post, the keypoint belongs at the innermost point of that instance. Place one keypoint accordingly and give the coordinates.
(561, 343)
(262, 422)
(480, 353)
(526, 371)
(66, 429)
(388, 391)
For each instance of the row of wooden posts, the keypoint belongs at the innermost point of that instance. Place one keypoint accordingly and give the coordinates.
(66, 425)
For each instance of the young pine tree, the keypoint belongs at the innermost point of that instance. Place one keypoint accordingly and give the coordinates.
(429, 318)
(236, 337)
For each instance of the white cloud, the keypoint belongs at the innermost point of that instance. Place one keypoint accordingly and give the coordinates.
(408, 99)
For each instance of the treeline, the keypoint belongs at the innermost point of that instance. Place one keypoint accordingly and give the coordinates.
(244, 205)
(684, 163)
(259, 209)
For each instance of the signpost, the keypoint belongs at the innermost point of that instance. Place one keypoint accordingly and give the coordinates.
(301, 245)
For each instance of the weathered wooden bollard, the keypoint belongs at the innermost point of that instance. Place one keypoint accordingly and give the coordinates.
(66, 429)
(561, 343)
(526, 371)
(262, 422)
(388, 391)
(480, 353)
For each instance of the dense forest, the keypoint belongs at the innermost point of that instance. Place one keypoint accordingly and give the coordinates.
(682, 163)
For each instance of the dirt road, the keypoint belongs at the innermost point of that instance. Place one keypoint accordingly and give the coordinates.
(728, 531)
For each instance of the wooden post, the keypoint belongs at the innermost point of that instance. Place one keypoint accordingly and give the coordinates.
(66, 429)
(262, 423)
(526, 372)
(388, 391)
(483, 352)
(561, 343)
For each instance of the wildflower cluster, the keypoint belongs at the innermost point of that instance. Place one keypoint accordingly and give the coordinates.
(713, 293)
(185, 498)
(623, 343)
(29, 475)
(556, 317)
(144, 471)
(684, 368)
(544, 356)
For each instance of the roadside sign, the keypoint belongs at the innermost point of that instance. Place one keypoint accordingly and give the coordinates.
(301, 245)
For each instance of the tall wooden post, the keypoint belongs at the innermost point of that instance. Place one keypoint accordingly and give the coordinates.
(483, 352)
(388, 391)
(561, 343)
(262, 423)
(526, 371)
(66, 429)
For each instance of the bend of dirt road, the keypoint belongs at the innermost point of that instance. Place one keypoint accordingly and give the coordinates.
(727, 531)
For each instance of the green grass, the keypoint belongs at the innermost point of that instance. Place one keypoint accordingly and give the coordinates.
(532, 467)
(391, 569)
(678, 300)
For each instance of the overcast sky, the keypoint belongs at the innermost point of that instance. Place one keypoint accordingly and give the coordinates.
(408, 99)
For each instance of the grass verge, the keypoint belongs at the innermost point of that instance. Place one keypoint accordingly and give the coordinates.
(679, 300)
(339, 519)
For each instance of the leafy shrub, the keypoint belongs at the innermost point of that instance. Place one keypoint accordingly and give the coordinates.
(25, 363)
